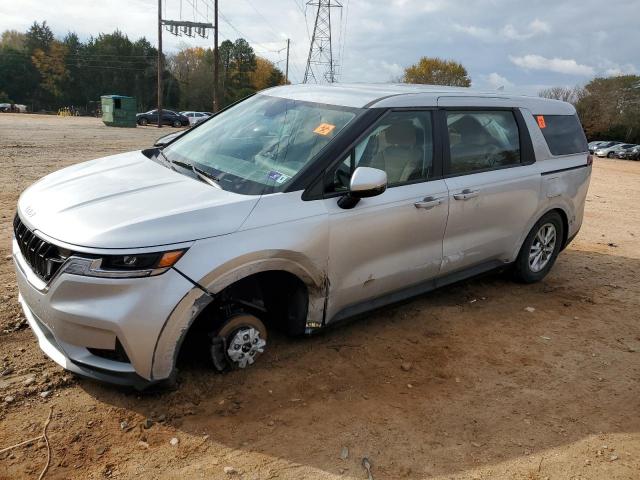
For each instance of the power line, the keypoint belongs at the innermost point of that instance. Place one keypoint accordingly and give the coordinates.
(263, 18)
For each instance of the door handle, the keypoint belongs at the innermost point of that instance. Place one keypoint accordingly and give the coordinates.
(466, 194)
(428, 203)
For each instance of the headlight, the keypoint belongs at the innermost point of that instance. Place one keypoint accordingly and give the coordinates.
(123, 266)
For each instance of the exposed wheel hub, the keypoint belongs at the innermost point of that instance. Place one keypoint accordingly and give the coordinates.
(244, 346)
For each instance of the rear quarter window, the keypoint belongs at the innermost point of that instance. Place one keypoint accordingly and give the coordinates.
(563, 133)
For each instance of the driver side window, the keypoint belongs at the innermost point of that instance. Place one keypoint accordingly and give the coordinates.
(401, 144)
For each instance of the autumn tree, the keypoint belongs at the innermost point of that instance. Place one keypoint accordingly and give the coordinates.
(12, 39)
(193, 69)
(52, 67)
(436, 71)
(266, 74)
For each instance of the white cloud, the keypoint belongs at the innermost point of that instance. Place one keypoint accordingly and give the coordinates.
(495, 81)
(393, 69)
(536, 27)
(508, 32)
(559, 65)
(477, 32)
(615, 70)
(424, 5)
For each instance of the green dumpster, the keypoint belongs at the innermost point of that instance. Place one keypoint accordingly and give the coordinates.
(118, 111)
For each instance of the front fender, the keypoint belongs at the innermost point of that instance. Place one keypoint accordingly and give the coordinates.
(193, 303)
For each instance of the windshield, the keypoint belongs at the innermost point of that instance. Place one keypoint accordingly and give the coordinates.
(259, 145)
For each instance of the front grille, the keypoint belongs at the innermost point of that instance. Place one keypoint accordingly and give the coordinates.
(43, 257)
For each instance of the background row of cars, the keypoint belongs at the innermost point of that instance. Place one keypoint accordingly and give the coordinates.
(169, 117)
(611, 149)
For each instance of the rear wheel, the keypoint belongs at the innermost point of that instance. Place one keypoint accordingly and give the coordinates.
(540, 249)
(610, 155)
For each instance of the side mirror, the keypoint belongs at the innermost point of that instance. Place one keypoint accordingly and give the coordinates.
(365, 182)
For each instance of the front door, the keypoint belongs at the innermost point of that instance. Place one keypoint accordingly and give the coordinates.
(390, 242)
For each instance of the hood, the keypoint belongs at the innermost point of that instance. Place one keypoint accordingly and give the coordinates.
(129, 201)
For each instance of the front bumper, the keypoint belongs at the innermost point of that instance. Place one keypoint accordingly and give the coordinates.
(73, 315)
(49, 345)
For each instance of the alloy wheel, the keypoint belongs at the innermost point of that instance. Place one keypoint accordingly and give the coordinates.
(542, 247)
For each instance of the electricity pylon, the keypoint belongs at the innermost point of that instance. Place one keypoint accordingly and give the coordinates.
(321, 51)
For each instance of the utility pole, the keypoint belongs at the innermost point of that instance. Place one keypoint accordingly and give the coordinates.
(321, 50)
(216, 59)
(159, 63)
(286, 69)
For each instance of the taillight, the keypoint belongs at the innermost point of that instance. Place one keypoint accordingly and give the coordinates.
(589, 159)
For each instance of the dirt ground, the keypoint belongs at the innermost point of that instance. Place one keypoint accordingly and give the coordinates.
(491, 390)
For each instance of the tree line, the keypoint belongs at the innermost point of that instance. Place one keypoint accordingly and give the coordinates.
(609, 108)
(46, 73)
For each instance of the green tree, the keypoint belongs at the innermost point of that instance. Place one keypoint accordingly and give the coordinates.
(237, 64)
(39, 70)
(38, 37)
(610, 108)
(435, 71)
(19, 79)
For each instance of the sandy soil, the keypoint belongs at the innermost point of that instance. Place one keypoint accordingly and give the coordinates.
(493, 390)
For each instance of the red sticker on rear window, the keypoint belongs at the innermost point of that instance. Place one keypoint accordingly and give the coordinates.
(540, 119)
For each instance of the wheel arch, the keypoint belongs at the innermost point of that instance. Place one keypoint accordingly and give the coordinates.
(189, 308)
(565, 223)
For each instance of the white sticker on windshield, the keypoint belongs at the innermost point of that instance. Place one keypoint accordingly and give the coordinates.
(278, 177)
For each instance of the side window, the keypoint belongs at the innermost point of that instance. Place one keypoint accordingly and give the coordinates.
(563, 133)
(401, 144)
(482, 140)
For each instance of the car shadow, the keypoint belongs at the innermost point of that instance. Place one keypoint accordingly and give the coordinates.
(477, 373)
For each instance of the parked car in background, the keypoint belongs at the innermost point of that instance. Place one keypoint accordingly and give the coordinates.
(611, 150)
(592, 145)
(13, 108)
(169, 117)
(196, 117)
(631, 153)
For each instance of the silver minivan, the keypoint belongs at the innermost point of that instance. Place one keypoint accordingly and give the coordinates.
(294, 209)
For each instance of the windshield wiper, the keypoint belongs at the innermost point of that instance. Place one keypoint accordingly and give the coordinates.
(201, 174)
(207, 177)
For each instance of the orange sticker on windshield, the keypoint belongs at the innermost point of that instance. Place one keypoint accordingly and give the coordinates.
(324, 129)
(541, 123)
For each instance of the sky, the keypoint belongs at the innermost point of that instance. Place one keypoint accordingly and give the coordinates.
(522, 46)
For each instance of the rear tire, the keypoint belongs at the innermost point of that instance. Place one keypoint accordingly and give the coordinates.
(540, 249)
(610, 155)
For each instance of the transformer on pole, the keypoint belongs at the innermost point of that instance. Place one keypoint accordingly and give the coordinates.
(320, 63)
